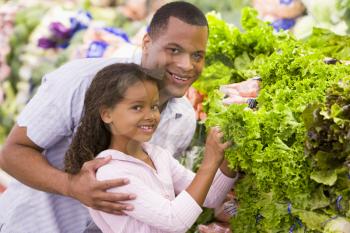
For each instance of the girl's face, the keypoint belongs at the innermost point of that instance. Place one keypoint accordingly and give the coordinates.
(135, 117)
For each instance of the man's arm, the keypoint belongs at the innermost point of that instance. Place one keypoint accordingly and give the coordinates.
(23, 159)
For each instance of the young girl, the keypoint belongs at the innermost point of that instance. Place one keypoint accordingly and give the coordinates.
(121, 113)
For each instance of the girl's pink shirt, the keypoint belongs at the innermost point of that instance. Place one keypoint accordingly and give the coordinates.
(162, 203)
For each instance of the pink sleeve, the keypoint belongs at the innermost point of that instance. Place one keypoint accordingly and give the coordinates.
(150, 207)
(182, 178)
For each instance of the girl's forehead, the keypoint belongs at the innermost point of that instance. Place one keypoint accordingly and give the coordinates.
(141, 90)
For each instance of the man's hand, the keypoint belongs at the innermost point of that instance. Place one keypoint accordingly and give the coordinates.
(240, 93)
(215, 228)
(92, 193)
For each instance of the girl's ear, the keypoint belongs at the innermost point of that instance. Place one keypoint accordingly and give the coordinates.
(105, 114)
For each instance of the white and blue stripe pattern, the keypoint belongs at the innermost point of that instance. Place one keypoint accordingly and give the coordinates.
(51, 118)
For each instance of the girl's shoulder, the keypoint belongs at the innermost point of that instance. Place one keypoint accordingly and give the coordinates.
(109, 152)
(119, 165)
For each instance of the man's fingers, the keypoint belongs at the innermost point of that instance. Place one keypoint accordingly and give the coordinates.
(229, 89)
(107, 184)
(122, 213)
(94, 164)
(117, 197)
(99, 162)
(114, 208)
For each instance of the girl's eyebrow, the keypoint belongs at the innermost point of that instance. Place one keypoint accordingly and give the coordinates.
(137, 101)
(143, 101)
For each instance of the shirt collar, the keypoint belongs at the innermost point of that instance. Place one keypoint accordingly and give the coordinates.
(118, 155)
(170, 111)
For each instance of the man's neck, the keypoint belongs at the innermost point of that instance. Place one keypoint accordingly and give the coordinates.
(163, 100)
(163, 104)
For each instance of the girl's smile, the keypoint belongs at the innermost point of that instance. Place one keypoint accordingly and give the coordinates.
(135, 117)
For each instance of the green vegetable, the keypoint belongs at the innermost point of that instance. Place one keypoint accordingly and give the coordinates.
(288, 181)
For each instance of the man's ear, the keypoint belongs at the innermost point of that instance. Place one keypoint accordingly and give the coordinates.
(146, 42)
(105, 114)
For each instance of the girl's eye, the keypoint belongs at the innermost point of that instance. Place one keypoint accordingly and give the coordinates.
(155, 107)
(137, 107)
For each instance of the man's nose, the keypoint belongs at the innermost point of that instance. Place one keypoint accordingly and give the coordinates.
(185, 62)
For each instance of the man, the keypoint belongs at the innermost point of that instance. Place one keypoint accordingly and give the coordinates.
(34, 150)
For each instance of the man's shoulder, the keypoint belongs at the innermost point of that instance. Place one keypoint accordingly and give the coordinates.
(81, 70)
(86, 65)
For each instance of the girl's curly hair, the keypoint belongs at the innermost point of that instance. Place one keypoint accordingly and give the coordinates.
(106, 90)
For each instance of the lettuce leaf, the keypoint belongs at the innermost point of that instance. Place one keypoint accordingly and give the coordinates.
(279, 147)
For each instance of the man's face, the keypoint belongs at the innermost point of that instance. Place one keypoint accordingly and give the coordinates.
(179, 50)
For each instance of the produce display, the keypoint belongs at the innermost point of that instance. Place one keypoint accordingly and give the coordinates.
(292, 150)
(290, 140)
(281, 14)
(38, 37)
(17, 23)
(332, 15)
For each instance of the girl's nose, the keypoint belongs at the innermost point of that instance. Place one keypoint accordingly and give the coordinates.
(150, 114)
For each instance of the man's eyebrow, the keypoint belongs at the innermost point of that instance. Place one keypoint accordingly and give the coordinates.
(179, 46)
(174, 44)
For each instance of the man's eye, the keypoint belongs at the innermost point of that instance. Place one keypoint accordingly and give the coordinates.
(174, 50)
(197, 57)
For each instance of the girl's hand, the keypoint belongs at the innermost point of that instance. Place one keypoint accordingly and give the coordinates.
(214, 147)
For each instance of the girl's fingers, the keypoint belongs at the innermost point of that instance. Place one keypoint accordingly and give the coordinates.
(226, 144)
(220, 134)
(216, 128)
(217, 135)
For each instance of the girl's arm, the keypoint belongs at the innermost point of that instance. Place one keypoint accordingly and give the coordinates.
(222, 183)
(150, 207)
(213, 157)
(153, 208)
(199, 184)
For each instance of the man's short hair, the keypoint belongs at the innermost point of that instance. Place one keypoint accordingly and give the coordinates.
(181, 10)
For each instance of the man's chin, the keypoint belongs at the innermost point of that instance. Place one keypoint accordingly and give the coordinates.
(177, 93)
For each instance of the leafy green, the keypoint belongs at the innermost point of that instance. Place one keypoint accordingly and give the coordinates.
(302, 107)
(324, 177)
(332, 45)
(212, 77)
